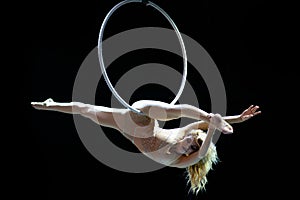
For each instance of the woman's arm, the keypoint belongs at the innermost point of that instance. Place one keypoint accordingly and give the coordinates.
(164, 111)
(101, 115)
(246, 114)
(185, 161)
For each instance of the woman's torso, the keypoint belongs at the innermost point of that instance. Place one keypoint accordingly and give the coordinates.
(142, 131)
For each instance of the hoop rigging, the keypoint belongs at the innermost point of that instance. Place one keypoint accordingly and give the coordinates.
(100, 54)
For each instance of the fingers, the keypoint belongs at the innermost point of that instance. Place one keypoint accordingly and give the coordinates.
(248, 109)
(254, 108)
(256, 113)
(253, 111)
(250, 112)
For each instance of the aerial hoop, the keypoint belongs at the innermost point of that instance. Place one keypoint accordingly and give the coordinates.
(100, 55)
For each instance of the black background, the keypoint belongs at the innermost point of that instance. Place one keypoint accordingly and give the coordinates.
(247, 41)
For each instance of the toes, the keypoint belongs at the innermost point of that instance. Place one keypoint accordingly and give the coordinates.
(216, 120)
(36, 103)
(219, 123)
(49, 100)
(227, 129)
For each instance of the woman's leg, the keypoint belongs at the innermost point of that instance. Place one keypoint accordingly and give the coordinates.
(100, 115)
(49, 104)
(164, 111)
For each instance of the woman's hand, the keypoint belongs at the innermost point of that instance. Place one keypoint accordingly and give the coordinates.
(249, 113)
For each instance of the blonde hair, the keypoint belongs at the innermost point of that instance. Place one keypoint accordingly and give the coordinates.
(197, 172)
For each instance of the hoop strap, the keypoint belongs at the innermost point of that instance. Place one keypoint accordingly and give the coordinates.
(100, 55)
(145, 2)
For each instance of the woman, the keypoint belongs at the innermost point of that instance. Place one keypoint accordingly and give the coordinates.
(187, 147)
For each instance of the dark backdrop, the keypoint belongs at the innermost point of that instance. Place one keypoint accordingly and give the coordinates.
(246, 40)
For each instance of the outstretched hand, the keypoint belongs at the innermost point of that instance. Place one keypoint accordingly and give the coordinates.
(250, 112)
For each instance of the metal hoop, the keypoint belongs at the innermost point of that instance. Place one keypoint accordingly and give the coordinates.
(100, 55)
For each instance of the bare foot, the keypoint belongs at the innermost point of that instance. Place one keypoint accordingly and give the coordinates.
(219, 123)
(41, 105)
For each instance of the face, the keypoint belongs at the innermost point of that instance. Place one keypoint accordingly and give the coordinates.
(188, 145)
